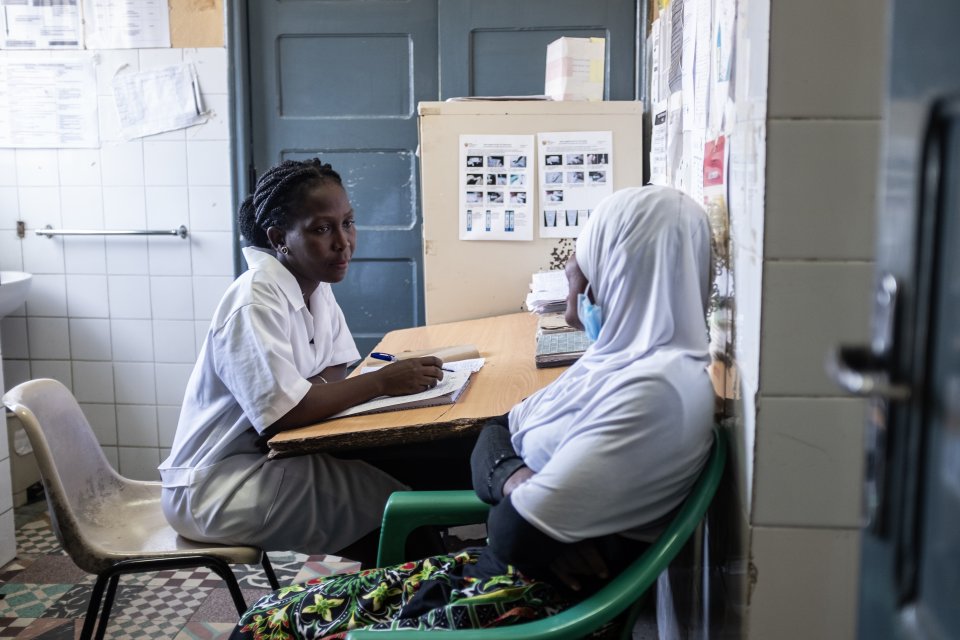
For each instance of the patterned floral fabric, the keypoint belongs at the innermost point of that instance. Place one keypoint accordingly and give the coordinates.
(400, 597)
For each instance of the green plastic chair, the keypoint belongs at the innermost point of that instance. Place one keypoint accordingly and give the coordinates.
(407, 510)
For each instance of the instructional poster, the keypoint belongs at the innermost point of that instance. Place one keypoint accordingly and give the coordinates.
(496, 187)
(576, 172)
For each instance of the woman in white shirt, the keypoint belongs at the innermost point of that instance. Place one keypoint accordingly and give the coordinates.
(275, 357)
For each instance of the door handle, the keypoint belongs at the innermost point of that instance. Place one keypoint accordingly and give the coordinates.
(863, 370)
(859, 371)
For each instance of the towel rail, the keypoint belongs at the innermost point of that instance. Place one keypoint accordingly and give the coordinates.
(49, 232)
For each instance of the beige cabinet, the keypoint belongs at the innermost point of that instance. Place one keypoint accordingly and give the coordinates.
(475, 279)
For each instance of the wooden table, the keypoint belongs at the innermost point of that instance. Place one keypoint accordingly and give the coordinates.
(509, 375)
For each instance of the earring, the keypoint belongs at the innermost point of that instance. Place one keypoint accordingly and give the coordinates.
(284, 250)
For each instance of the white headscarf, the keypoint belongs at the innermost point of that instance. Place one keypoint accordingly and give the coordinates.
(618, 439)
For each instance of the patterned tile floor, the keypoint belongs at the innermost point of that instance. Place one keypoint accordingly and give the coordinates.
(44, 595)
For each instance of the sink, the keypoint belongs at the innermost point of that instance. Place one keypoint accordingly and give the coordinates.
(14, 286)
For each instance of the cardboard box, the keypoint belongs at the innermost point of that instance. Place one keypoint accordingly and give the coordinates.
(575, 69)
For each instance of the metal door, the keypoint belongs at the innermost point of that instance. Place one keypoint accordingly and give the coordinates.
(933, 611)
(498, 47)
(910, 568)
(341, 80)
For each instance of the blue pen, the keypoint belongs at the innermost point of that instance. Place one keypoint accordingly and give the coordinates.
(389, 357)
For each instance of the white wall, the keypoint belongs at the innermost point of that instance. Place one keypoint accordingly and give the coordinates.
(119, 320)
(8, 541)
(827, 62)
(804, 159)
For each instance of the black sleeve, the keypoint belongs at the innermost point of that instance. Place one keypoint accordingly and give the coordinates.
(512, 540)
(493, 460)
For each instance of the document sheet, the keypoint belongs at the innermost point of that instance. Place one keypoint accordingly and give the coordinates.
(496, 183)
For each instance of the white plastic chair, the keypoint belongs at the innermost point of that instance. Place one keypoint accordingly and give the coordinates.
(108, 524)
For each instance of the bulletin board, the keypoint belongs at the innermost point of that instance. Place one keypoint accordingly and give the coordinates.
(196, 23)
(465, 280)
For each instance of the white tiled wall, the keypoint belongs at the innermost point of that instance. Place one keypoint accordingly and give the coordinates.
(8, 541)
(804, 579)
(119, 319)
(825, 172)
(817, 270)
(827, 59)
(809, 462)
(809, 306)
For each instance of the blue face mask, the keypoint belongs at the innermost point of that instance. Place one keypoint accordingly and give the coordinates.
(590, 314)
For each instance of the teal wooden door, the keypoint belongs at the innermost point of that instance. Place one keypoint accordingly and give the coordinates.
(342, 79)
(499, 47)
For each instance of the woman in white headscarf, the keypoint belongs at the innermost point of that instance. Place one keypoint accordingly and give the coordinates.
(583, 473)
(618, 440)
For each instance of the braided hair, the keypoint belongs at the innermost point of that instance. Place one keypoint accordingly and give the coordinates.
(276, 200)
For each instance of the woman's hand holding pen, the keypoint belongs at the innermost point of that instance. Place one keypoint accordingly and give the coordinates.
(396, 379)
(413, 375)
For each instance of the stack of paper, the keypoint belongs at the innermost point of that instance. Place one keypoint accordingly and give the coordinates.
(548, 292)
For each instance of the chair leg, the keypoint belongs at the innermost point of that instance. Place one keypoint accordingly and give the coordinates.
(107, 605)
(630, 616)
(110, 579)
(93, 607)
(223, 570)
(268, 569)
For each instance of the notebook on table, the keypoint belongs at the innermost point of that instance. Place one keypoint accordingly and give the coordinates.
(446, 392)
(459, 361)
(559, 349)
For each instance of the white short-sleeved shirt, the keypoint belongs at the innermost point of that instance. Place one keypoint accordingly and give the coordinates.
(262, 345)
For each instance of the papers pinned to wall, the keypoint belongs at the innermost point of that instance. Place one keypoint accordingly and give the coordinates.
(126, 24)
(158, 100)
(576, 172)
(40, 25)
(658, 146)
(110, 24)
(49, 102)
(496, 185)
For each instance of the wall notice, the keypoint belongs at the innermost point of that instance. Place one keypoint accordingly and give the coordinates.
(49, 102)
(576, 172)
(40, 25)
(496, 187)
(158, 100)
(126, 24)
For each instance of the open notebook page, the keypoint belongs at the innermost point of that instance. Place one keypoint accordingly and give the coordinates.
(446, 392)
